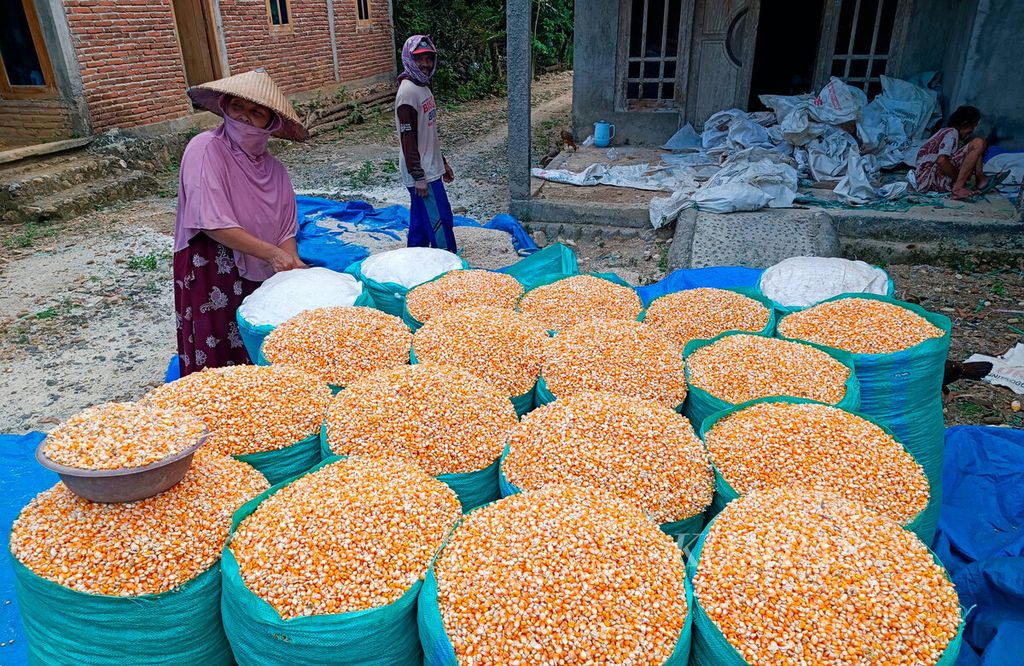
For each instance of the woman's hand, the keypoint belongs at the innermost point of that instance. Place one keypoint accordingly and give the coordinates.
(282, 260)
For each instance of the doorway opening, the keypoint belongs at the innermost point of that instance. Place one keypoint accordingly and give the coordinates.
(788, 41)
(198, 39)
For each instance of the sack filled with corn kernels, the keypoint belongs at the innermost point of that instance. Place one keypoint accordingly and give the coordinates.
(898, 351)
(134, 583)
(734, 368)
(339, 584)
(389, 276)
(284, 295)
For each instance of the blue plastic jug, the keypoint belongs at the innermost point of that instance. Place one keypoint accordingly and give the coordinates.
(603, 133)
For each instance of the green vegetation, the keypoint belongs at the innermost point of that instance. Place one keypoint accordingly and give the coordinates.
(147, 262)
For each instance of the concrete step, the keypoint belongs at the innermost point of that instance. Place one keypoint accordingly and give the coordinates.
(956, 254)
(26, 182)
(82, 197)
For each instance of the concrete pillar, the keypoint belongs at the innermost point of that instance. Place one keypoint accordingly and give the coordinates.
(518, 49)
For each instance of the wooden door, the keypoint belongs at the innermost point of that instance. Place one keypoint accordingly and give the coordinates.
(197, 36)
(721, 56)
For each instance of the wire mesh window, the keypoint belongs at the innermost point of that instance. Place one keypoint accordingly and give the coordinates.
(652, 53)
(863, 42)
(363, 10)
(279, 14)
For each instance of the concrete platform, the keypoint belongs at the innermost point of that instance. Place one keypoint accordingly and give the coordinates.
(988, 228)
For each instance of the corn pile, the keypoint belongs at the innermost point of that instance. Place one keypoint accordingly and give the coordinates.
(697, 314)
(461, 289)
(637, 449)
(500, 346)
(250, 409)
(860, 326)
(627, 357)
(568, 301)
(144, 547)
(443, 418)
(770, 445)
(791, 576)
(120, 435)
(743, 367)
(561, 575)
(353, 535)
(339, 345)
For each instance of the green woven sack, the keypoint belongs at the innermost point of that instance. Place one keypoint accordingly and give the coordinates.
(387, 296)
(258, 635)
(536, 269)
(438, 650)
(685, 528)
(473, 489)
(710, 648)
(769, 329)
(700, 404)
(522, 403)
(253, 335)
(725, 493)
(181, 626)
(903, 392)
(285, 463)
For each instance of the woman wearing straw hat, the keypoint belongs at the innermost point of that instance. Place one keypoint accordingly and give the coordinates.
(236, 219)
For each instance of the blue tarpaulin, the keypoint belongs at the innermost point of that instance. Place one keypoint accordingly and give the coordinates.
(327, 247)
(721, 277)
(980, 538)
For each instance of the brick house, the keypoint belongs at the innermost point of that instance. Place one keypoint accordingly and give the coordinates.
(79, 67)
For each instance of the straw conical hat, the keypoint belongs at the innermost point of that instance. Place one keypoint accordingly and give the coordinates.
(257, 87)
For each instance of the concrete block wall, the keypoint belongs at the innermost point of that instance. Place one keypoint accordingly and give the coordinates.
(39, 119)
(129, 59)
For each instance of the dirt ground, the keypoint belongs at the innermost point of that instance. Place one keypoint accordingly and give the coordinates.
(86, 306)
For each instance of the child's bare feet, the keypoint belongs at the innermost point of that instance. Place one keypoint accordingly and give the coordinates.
(982, 182)
(961, 192)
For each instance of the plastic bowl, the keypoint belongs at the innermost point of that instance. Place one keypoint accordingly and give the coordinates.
(130, 484)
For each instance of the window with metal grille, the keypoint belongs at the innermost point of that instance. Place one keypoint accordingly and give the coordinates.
(652, 53)
(363, 10)
(280, 13)
(863, 42)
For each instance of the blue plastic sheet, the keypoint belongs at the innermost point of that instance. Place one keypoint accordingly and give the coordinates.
(319, 246)
(721, 277)
(981, 539)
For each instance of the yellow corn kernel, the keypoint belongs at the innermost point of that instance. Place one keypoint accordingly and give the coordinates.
(458, 290)
(579, 298)
(701, 314)
(561, 575)
(791, 576)
(860, 326)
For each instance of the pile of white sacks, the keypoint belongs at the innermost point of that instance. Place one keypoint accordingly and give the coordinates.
(754, 160)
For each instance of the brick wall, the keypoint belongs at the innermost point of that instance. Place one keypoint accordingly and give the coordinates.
(130, 61)
(42, 120)
(364, 49)
(299, 57)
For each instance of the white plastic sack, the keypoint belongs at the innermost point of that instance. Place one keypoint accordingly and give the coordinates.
(777, 182)
(686, 138)
(800, 282)
(662, 178)
(1007, 370)
(409, 266)
(284, 295)
(745, 133)
(730, 198)
(827, 155)
(783, 105)
(664, 210)
(855, 188)
(871, 128)
(799, 129)
(716, 128)
(913, 104)
(837, 103)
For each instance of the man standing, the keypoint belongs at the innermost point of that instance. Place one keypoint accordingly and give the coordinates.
(421, 163)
